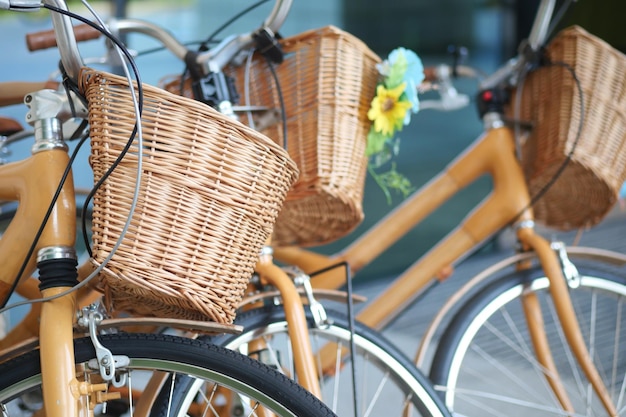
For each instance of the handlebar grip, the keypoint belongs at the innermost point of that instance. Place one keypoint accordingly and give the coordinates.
(430, 74)
(46, 38)
(13, 92)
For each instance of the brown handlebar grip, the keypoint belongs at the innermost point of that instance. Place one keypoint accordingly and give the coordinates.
(13, 92)
(46, 39)
(430, 74)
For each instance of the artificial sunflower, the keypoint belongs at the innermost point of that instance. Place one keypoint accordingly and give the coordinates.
(388, 110)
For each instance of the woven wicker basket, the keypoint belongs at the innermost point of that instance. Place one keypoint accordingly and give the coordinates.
(327, 80)
(210, 191)
(588, 187)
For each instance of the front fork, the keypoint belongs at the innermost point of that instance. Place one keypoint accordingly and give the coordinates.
(273, 275)
(64, 395)
(562, 275)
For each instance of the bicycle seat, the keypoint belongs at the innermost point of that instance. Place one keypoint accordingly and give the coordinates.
(9, 126)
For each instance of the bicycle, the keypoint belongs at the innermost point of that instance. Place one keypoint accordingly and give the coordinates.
(405, 378)
(575, 280)
(61, 372)
(313, 262)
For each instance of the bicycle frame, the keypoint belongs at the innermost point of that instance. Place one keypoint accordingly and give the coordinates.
(33, 182)
(509, 203)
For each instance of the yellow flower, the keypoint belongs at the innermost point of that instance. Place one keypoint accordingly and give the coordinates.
(388, 111)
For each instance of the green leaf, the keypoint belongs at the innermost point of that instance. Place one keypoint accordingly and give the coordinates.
(375, 142)
(391, 180)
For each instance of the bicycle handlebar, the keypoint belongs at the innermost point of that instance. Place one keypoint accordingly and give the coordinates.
(65, 36)
(219, 56)
(216, 58)
(37, 41)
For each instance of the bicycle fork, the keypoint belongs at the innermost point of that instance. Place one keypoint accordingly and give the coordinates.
(63, 393)
(298, 328)
(567, 317)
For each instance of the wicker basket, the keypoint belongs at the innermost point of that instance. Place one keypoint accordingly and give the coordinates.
(210, 191)
(327, 80)
(588, 187)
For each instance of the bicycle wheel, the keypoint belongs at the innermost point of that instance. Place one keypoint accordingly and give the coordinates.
(387, 383)
(485, 364)
(239, 384)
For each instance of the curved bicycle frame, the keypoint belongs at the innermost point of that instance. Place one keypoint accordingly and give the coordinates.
(509, 203)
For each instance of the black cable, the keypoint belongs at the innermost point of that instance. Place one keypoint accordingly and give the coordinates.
(33, 245)
(352, 345)
(116, 41)
(133, 134)
(578, 133)
(281, 99)
(210, 39)
(568, 157)
(69, 84)
(163, 48)
(351, 324)
(231, 21)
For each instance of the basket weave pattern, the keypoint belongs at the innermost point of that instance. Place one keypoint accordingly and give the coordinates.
(327, 80)
(588, 187)
(210, 192)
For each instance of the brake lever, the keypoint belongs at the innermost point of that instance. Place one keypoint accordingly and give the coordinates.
(450, 98)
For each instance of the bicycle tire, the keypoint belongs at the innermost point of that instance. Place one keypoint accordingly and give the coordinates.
(487, 337)
(401, 381)
(174, 355)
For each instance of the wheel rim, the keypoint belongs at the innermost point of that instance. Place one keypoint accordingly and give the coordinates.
(509, 390)
(140, 369)
(373, 364)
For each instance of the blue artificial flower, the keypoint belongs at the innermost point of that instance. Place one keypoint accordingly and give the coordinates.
(413, 76)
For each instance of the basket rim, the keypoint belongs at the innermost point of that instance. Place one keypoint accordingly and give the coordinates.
(89, 76)
(329, 31)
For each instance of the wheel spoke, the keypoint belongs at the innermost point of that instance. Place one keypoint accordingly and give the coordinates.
(490, 367)
(387, 382)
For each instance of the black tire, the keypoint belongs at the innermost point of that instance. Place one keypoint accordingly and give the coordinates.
(20, 382)
(378, 360)
(485, 363)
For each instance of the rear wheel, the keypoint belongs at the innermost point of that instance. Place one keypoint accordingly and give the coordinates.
(485, 364)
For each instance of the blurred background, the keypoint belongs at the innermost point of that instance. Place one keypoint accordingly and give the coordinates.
(490, 29)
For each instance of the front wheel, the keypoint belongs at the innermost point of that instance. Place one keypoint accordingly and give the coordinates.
(387, 382)
(486, 365)
(233, 384)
